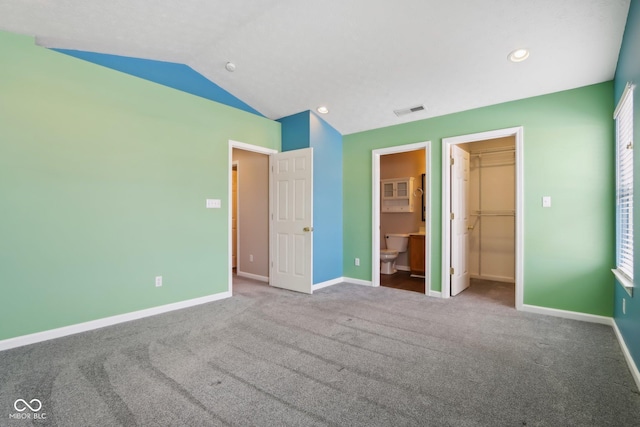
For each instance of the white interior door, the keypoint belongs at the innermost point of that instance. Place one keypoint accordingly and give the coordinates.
(292, 220)
(459, 221)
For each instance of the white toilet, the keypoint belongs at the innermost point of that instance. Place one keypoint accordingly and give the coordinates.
(396, 243)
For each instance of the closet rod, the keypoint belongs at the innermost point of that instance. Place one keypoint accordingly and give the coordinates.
(493, 165)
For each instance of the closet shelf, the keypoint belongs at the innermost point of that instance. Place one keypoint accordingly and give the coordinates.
(495, 213)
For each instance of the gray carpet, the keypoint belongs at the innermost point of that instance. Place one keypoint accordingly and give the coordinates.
(346, 356)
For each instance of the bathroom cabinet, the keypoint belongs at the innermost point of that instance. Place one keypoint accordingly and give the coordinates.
(416, 254)
(397, 195)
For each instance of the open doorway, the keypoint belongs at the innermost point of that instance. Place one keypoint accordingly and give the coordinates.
(402, 214)
(248, 212)
(482, 212)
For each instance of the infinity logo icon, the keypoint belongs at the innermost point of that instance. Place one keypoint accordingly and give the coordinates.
(35, 408)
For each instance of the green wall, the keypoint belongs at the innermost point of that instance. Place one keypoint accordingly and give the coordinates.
(103, 181)
(568, 155)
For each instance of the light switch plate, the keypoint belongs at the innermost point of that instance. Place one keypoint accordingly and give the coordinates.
(213, 203)
(546, 202)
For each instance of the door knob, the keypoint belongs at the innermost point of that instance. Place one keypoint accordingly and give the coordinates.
(307, 229)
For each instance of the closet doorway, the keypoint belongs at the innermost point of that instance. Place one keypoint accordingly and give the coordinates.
(492, 206)
(482, 221)
(248, 212)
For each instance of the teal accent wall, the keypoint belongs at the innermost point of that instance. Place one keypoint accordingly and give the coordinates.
(568, 155)
(303, 130)
(296, 131)
(628, 70)
(177, 76)
(327, 200)
(103, 178)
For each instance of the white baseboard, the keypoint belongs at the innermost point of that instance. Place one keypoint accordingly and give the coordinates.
(253, 276)
(574, 315)
(436, 294)
(403, 267)
(627, 355)
(357, 281)
(327, 283)
(106, 321)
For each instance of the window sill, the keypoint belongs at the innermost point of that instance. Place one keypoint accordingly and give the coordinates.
(626, 283)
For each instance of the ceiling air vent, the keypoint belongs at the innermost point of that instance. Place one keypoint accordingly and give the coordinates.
(405, 111)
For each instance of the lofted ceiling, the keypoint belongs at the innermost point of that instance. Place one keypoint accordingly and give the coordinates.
(362, 59)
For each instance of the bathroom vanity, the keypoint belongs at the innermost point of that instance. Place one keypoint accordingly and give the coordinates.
(416, 254)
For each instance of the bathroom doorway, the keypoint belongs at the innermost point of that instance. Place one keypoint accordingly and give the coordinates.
(401, 206)
(482, 212)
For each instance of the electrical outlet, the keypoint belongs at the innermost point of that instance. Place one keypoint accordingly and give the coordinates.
(357, 262)
(250, 258)
(158, 281)
(624, 306)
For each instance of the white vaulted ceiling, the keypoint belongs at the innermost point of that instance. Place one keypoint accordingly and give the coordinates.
(361, 58)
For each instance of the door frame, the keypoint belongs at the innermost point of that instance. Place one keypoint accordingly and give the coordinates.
(247, 147)
(234, 164)
(375, 232)
(518, 133)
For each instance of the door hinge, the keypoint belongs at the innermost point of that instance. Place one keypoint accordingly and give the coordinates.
(453, 216)
(452, 161)
(451, 271)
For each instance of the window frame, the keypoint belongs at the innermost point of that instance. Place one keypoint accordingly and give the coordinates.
(623, 117)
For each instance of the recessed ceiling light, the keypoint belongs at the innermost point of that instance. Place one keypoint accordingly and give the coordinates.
(519, 55)
(322, 110)
(230, 66)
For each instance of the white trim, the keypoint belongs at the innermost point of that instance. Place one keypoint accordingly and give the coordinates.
(627, 284)
(518, 133)
(403, 267)
(435, 294)
(235, 164)
(327, 283)
(247, 147)
(628, 91)
(627, 355)
(253, 276)
(375, 186)
(106, 321)
(573, 315)
(357, 281)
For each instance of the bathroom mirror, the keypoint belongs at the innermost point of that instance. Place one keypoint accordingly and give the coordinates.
(423, 206)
